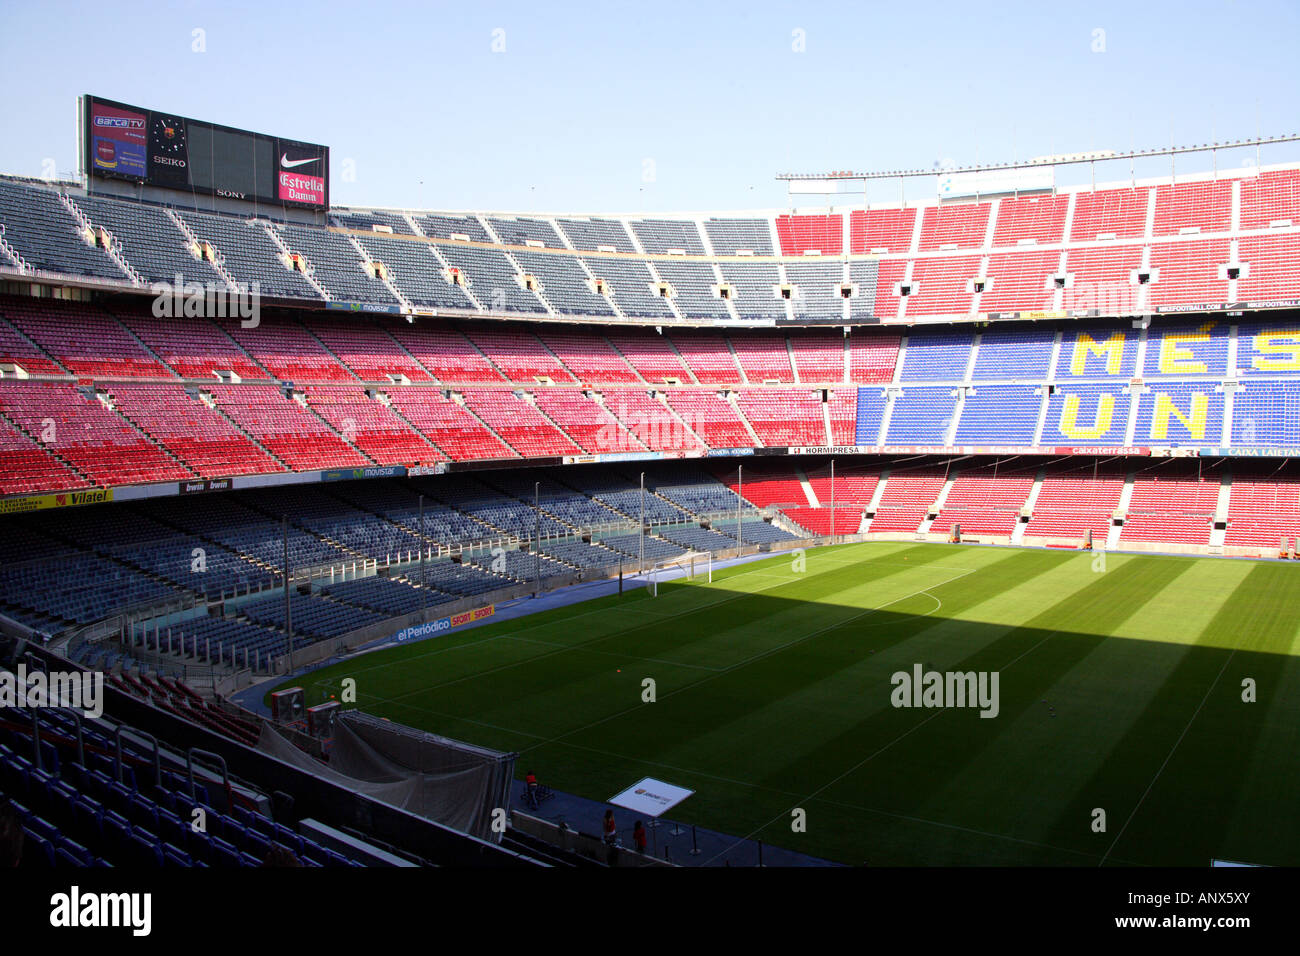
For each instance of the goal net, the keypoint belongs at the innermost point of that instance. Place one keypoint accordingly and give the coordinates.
(697, 565)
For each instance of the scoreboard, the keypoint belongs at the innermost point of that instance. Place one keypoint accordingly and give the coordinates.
(175, 152)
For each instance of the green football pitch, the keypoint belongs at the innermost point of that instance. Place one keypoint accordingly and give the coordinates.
(1148, 712)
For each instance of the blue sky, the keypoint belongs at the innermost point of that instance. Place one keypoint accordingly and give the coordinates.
(620, 107)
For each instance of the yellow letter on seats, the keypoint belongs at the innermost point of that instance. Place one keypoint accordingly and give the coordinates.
(1165, 407)
(1285, 345)
(1101, 422)
(1175, 360)
(1112, 349)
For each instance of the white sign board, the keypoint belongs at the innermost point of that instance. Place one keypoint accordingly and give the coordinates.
(997, 181)
(650, 797)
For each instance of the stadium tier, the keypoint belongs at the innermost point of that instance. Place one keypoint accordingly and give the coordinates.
(1209, 242)
(358, 544)
(211, 399)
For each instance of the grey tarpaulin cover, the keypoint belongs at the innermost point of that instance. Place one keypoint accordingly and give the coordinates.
(455, 783)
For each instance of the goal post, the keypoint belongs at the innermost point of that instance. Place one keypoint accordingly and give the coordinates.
(696, 564)
(701, 563)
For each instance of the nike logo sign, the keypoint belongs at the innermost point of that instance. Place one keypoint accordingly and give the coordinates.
(287, 164)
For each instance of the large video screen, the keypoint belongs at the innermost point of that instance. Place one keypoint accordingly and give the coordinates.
(175, 152)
